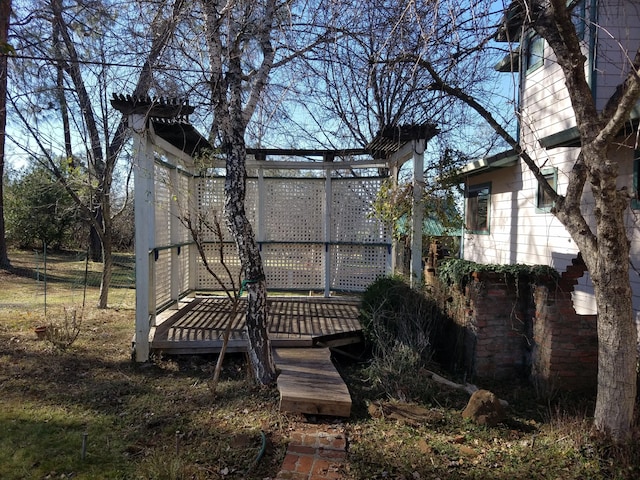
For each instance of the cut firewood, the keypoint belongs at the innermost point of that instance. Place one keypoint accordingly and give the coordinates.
(468, 388)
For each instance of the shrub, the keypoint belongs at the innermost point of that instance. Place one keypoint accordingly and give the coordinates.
(62, 334)
(399, 324)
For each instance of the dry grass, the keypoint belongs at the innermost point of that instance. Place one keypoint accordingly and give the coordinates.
(141, 421)
(161, 421)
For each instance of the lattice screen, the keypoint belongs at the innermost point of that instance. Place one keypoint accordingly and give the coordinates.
(354, 267)
(182, 200)
(294, 249)
(294, 210)
(351, 204)
(293, 267)
(183, 263)
(162, 206)
(210, 202)
(205, 280)
(162, 272)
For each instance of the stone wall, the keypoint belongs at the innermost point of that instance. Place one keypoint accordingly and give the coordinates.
(504, 329)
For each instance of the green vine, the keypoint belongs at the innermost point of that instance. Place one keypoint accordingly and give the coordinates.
(458, 272)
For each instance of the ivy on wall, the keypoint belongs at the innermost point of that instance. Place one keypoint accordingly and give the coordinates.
(459, 272)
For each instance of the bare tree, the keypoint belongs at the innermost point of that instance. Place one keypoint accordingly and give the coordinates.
(77, 73)
(241, 56)
(5, 14)
(604, 243)
(354, 86)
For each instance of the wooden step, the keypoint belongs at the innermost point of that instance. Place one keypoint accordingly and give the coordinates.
(309, 383)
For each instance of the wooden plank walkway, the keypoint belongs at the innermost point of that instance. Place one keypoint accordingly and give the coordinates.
(198, 326)
(309, 382)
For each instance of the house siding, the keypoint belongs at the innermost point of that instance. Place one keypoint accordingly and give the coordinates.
(617, 38)
(521, 233)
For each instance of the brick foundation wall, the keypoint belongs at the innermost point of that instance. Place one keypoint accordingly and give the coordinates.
(502, 330)
(565, 344)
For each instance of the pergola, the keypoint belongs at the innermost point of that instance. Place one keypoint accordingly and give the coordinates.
(309, 210)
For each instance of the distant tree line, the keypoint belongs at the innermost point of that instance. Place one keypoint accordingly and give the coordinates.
(39, 210)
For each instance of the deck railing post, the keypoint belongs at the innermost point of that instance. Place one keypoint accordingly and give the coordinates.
(143, 170)
(416, 213)
(327, 232)
(174, 236)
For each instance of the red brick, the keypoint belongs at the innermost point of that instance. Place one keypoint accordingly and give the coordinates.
(321, 467)
(305, 464)
(286, 475)
(333, 454)
(289, 462)
(310, 440)
(301, 449)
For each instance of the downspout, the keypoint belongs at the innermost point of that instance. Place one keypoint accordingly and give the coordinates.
(464, 219)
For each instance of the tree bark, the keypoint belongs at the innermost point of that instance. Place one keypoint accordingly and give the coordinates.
(227, 22)
(5, 12)
(609, 268)
(616, 339)
(259, 347)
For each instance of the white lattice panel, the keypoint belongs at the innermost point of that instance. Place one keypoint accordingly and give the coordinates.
(294, 209)
(183, 201)
(251, 202)
(162, 206)
(183, 268)
(205, 280)
(210, 199)
(293, 267)
(355, 267)
(351, 204)
(210, 203)
(162, 271)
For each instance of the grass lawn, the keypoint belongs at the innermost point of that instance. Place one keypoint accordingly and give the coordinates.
(89, 412)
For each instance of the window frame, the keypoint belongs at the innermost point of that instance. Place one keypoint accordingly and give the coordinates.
(551, 174)
(529, 64)
(472, 191)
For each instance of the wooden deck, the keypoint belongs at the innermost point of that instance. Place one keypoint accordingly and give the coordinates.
(309, 383)
(198, 326)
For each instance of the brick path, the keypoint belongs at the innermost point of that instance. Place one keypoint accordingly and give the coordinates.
(315, 453)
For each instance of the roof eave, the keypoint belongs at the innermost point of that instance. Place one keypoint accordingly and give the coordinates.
(487, 164)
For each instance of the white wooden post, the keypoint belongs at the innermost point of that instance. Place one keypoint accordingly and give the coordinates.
(260, 234)
(416, 213)
(326, 257)
(394, 170)
(192, 209)
(144, 236)
(174, 236)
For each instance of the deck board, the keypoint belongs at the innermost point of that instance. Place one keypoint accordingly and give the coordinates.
(309, 383)
(293, 322)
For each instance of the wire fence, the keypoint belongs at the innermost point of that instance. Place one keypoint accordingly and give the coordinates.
(73, 280)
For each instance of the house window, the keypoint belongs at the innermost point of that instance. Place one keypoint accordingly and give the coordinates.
(535, 53)
(544, 201)
(477, 211)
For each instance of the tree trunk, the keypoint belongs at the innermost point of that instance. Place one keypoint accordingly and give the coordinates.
(616, 354)
(107, 268)
(5, 11)
(256, 320)
(617, 336)
(95, 243)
